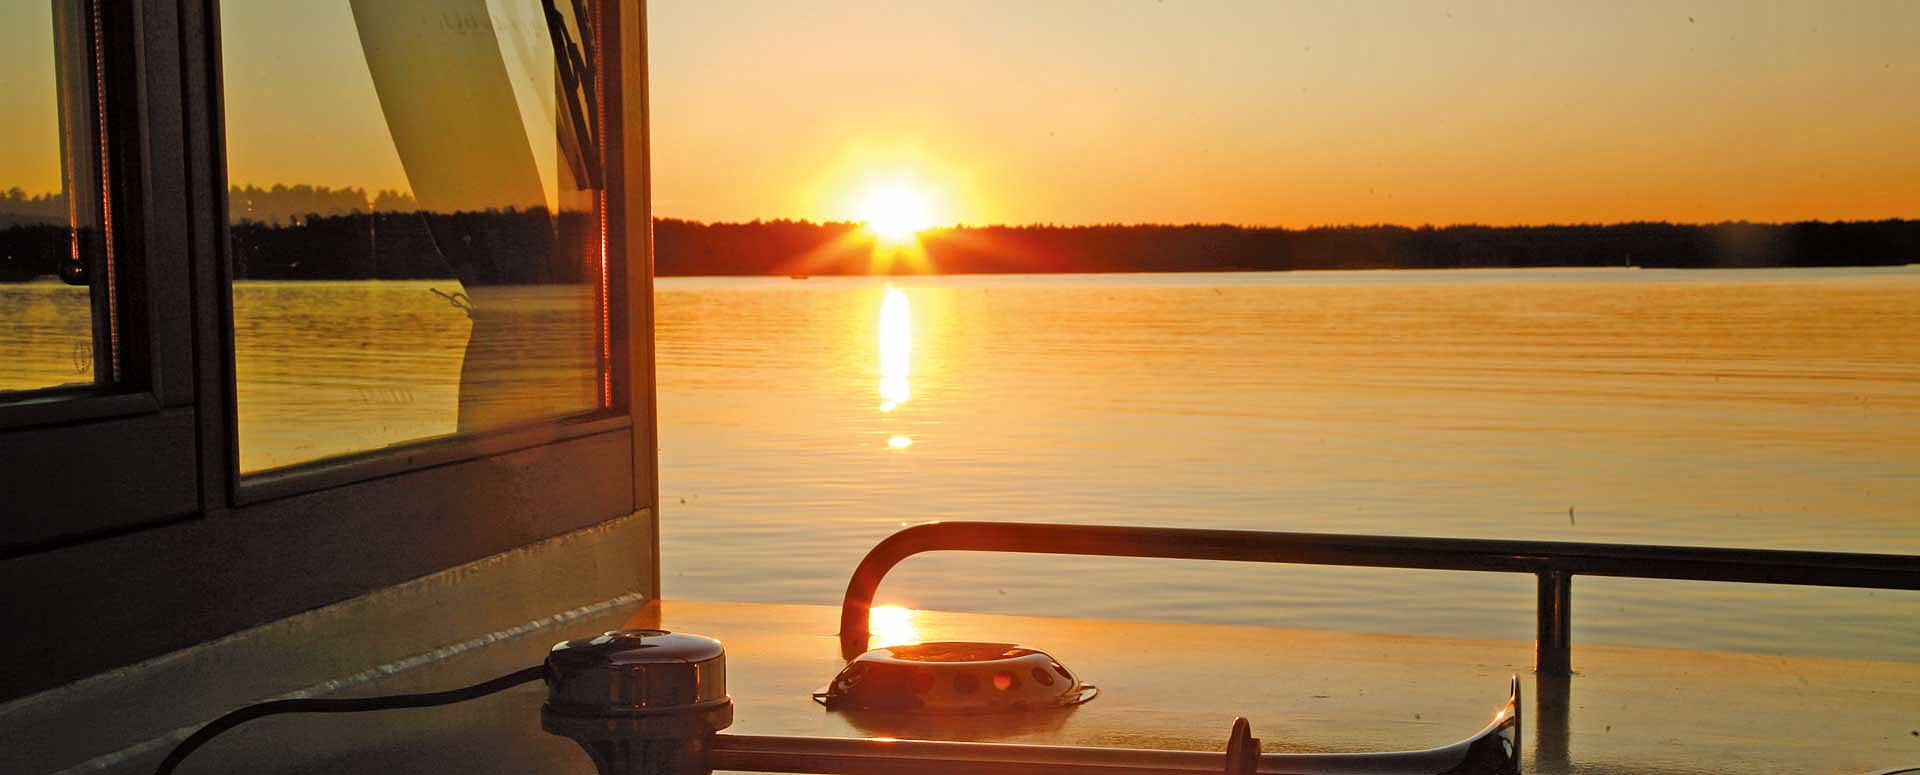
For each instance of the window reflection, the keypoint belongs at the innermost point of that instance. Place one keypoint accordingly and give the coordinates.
(53, 242)
(414, 224)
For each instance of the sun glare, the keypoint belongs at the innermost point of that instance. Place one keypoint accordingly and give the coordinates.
(896, 349)
(892, 625)
(896, 212)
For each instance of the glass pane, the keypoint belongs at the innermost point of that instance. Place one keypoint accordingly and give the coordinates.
(52, 241)
(414, 194)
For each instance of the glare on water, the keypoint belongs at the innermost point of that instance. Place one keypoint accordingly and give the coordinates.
(1775, 408)
(891, 625)
(1755, 408)
(896, 348)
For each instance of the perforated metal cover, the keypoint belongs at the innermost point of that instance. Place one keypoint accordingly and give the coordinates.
(954, 677)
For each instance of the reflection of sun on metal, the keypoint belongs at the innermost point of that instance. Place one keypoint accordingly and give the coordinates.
(892, 625)
(896, 349)
(899, 442)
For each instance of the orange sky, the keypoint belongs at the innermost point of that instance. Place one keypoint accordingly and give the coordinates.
(1293, 114)
(1250, 112)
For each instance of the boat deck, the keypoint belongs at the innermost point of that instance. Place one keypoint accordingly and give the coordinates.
(1174, 686)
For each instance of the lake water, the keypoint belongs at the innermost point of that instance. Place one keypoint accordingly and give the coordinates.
(1765, 408)
(803, 421)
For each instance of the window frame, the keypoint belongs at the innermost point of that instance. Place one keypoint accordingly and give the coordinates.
(249, 550)
(61, 445)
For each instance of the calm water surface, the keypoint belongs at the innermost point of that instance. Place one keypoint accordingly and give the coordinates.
(327, 368)
(803, 421)
(1765, 408)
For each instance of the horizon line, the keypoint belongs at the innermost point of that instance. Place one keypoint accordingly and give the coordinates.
(1312, 227)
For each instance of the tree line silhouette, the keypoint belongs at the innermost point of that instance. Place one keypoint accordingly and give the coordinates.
(286, 204)
(502, 247)
(319, 233)
(308, 232)
(799, 247)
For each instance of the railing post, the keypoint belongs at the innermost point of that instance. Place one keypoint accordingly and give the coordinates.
(1553, 619)
(1552, 714)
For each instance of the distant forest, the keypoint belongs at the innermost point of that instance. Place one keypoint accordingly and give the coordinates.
(307, 232)
(803, 248)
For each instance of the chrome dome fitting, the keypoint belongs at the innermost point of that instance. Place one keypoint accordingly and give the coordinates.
(955, 677)
(639, 701)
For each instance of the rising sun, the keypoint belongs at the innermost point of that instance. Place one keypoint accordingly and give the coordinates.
(895, 212)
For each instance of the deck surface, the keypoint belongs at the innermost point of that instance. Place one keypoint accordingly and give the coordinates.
(1627, 710)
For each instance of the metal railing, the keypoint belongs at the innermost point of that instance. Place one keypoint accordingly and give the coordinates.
(1553, 563)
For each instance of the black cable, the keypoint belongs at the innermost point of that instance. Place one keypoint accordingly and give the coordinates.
(349, 705)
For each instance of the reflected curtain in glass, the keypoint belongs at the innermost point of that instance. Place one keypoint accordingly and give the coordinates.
(414, 216)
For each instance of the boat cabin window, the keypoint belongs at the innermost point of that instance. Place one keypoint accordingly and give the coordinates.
(54, 230)
(302, 300)
(85, 362)
(414, 219)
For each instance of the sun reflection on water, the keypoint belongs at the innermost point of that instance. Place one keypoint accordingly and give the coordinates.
(896, 348)
(891, 625)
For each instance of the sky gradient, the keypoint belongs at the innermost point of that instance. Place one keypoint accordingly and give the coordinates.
(1290, 114)
(1256, 112)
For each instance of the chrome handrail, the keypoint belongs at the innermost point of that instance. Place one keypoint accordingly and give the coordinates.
(1553, 563)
